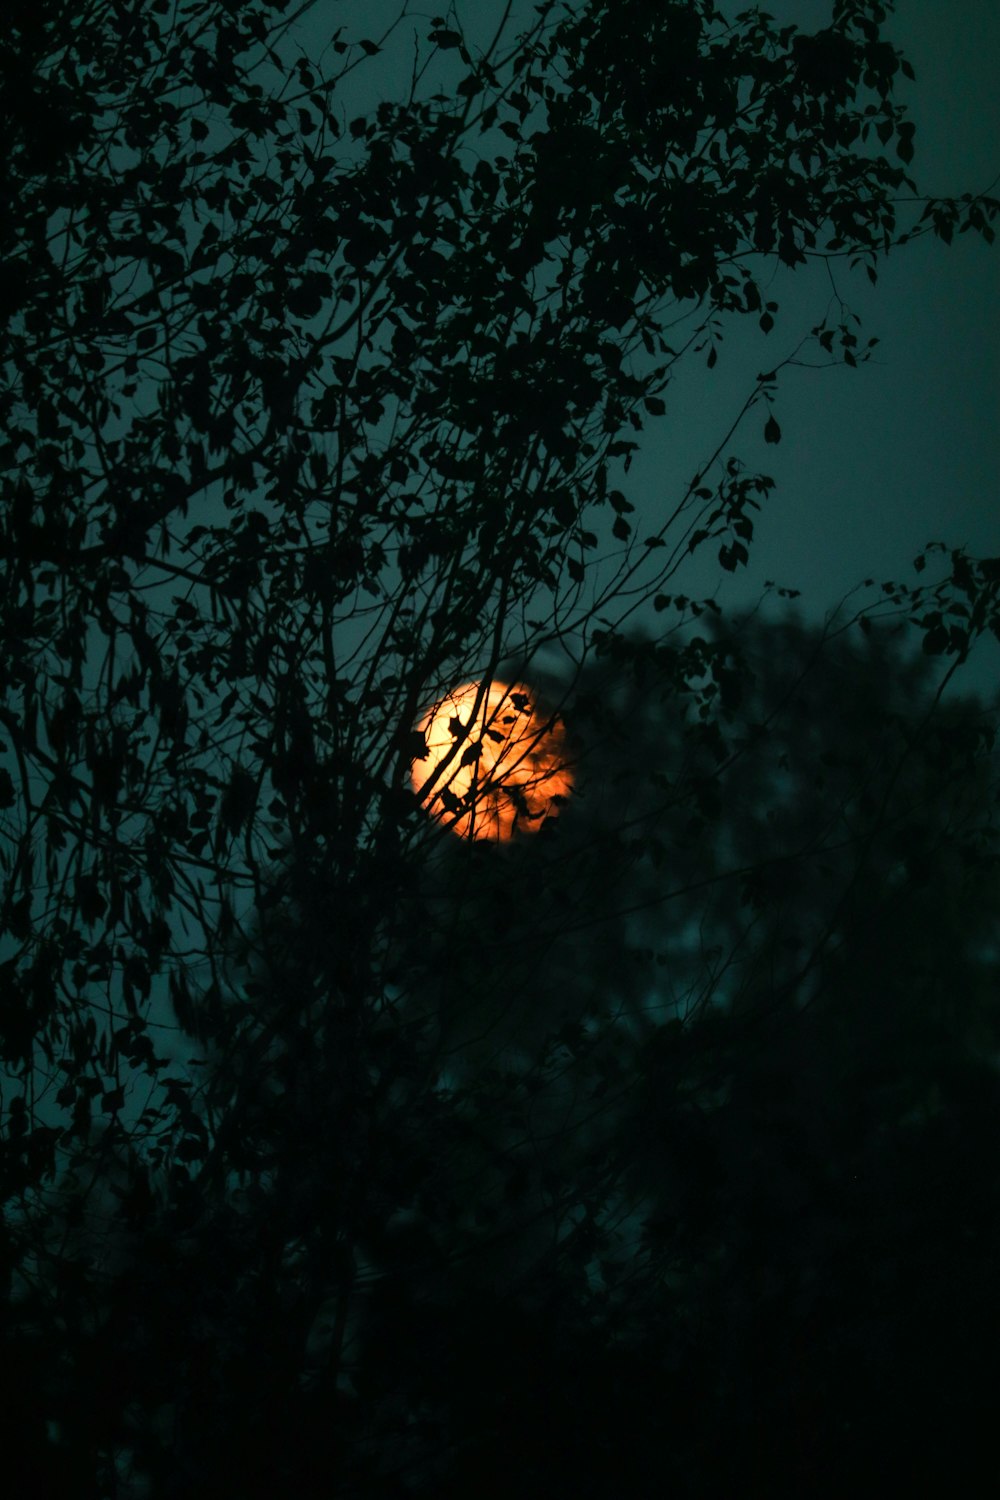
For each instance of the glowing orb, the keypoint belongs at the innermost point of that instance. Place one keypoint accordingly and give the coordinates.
(496, 764)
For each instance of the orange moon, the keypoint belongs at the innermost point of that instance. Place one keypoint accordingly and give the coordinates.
(509, 771)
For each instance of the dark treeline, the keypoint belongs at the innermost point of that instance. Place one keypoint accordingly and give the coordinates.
(668, 1150)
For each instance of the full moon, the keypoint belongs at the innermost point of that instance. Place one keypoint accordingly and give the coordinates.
(508, 771)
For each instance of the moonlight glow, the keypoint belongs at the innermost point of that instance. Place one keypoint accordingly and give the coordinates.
(505, 764)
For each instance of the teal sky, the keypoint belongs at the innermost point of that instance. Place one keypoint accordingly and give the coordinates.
(884, 458)
(874, 462)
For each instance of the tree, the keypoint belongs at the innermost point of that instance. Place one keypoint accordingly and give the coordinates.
(308, 417)
(677, 1190)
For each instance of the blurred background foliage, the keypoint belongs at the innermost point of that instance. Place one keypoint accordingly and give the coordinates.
(668, 1147)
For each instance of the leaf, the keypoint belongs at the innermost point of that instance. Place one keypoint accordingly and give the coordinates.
(563, 508)
(19, 919)
(445, 39)
(238, 801)
(772, 432)
(732, 556)
(655, 405)
(904, 144)
(306, 299)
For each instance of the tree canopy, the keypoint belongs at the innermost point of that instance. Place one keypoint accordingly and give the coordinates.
(312, 410)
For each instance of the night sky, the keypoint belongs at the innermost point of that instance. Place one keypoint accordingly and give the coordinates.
(874, 462)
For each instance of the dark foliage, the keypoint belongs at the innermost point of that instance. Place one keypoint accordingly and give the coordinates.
(339, 1155)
